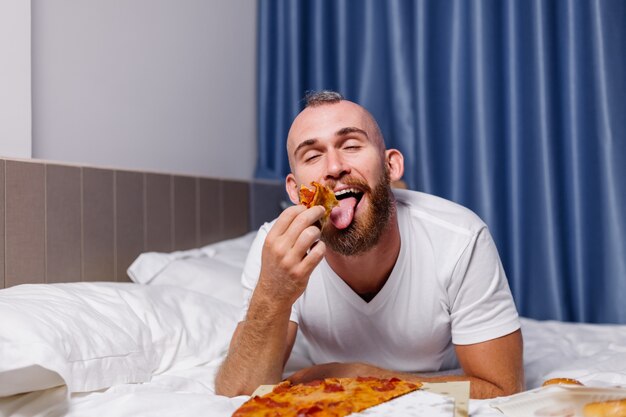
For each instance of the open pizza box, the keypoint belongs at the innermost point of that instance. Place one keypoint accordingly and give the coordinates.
(555, 400)
(456, 392)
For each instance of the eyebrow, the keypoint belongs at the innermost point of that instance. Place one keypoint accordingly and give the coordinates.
(341, 132)
(348, 130)
(303, 144)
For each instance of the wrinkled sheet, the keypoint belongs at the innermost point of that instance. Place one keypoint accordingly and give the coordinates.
(593, 354)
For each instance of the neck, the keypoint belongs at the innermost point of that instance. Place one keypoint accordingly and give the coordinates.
(367, 273)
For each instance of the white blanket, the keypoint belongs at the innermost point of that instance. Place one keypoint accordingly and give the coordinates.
(594, 354)
(192, 330)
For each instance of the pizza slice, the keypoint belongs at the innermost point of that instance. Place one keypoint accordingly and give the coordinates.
(320, 195)
(331, 397)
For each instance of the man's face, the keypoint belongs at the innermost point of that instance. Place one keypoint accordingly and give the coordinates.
(339, 145)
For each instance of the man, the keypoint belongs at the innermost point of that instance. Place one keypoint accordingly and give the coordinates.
(396, 284)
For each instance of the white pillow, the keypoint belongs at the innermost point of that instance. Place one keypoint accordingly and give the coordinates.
(214, 269)
(205, 275)
(232, 251)
(92, 336)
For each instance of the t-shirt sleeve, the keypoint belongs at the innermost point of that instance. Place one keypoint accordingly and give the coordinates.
(481, 304)
(252, 271)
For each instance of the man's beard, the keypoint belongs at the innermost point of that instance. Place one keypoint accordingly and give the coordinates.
(363, 234)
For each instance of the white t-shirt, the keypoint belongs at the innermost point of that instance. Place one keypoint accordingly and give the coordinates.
(447, 287)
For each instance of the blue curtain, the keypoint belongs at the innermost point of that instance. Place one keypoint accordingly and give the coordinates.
(515, 109)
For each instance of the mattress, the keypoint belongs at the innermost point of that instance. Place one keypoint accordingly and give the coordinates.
(152, 348)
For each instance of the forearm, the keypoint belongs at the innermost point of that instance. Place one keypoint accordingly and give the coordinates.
(479, 388)
(257, 351)
(261, 343)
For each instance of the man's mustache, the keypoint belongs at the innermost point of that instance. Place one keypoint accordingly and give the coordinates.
(351, 182)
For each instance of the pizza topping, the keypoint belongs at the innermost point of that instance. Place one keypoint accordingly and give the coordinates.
(366, 378)
(309, 411)
(320, 195)
(333, 388)
(270, 403)
(336, 397)
(281, 388)
(388, 386)
(307, 195)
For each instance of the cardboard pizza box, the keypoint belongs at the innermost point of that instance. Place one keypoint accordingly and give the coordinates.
(459, 390)
(555, 400)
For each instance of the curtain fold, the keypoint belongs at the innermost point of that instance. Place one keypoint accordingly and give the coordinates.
(515, 109)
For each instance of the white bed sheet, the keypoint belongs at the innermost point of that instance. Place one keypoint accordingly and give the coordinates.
(593, 354)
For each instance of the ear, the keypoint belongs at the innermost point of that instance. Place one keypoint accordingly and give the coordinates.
(291, 185)
(395, 164)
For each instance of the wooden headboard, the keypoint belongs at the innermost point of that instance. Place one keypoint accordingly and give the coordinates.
(68, 223)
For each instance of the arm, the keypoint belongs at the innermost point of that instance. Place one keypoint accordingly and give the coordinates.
(257, 356)
(263, 341)
(494, 368)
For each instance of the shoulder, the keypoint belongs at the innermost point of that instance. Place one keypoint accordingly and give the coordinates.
(436, 212)
(262, 232)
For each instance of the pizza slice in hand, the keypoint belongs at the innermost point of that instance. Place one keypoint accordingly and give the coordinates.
(331, 397)
(319, 195)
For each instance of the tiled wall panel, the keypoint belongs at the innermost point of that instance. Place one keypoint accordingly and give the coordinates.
(158, 213)
(98, 226)
(63, 224)
(209, 210)
(267, 201)
(129, 220)
(185, 229)
(236, 206)
(25, 223)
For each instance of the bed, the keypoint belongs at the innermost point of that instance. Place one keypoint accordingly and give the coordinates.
(143, 332)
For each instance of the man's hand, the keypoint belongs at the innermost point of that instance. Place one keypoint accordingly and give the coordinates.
(338, 370)
(290, 254)
(263, 341)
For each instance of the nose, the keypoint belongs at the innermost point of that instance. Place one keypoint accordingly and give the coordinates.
(335, 165)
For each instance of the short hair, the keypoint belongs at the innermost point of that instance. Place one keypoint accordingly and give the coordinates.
(318, 98)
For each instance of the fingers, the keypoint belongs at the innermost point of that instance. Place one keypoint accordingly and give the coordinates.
(285, 219)
(293, 233)
(294, 220)
(290, 253)
(303, 245)
(306, 240)
(321, 371)
(302, 221)
(314, 257)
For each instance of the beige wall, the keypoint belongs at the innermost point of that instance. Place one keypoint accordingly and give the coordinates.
(157, 85)
(15, 106)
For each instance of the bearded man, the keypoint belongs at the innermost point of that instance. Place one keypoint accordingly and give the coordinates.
(397, 283)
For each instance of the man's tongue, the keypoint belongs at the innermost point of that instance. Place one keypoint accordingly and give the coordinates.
(342, 215)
